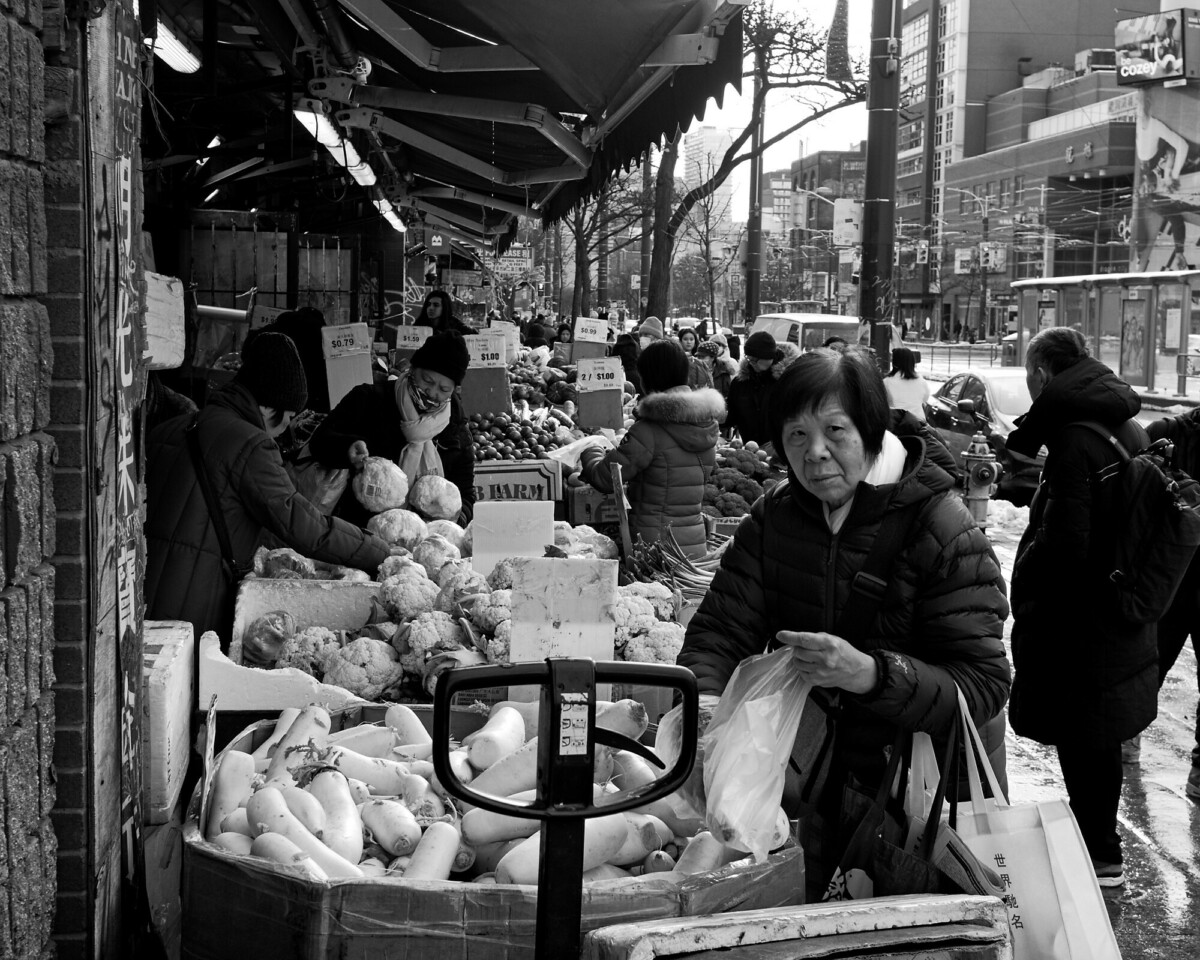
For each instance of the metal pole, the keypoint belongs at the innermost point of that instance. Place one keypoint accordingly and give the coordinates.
(754, 221)
(878, 225)
(983, 270)
(647, 235)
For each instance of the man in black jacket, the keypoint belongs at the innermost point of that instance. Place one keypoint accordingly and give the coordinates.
(1085, 679)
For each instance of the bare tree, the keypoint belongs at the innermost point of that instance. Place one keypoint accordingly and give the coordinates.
(708, 224)
(601, 226)
(790, 54)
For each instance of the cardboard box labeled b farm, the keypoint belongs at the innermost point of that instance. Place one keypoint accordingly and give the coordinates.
(518, 480)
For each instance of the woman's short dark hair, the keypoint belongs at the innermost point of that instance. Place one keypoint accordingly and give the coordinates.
(904, 363)
(851, 378)
(663, 365)
(1056, 348)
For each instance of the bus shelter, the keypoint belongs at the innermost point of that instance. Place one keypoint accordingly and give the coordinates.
(1146, 326)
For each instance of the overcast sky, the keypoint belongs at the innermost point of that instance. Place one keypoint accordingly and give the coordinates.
(837, 132)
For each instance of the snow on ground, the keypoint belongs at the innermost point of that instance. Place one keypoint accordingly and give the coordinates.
(1007, 519)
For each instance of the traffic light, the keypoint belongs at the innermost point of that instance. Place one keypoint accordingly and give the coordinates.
(922, 251)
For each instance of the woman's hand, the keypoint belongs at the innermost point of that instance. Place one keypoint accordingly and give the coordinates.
(828, 661)
(358, 453)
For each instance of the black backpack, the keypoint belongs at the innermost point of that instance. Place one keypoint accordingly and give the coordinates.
(1156, 509)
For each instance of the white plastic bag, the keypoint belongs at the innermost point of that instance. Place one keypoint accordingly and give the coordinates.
(746, 749)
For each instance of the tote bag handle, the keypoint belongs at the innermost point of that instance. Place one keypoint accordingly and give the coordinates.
(974, 746)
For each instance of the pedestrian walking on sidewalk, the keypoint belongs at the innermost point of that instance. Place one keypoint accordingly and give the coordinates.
(1085, 680)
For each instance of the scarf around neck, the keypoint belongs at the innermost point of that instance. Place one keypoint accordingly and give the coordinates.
(420, 456)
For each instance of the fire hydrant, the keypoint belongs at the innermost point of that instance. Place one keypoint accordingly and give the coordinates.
(981, 474)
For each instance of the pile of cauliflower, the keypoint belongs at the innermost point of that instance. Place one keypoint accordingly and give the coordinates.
(648, 629)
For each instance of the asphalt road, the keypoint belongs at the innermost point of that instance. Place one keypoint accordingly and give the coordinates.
(1156, 916)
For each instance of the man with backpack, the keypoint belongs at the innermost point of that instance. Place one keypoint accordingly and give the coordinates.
(1086, 678)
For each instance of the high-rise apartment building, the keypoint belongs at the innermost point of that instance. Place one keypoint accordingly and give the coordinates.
(703, 149)
(956, 56)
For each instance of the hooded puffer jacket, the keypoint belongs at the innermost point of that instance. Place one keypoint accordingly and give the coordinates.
(940, 623)
(185, 577)
(749, 396)
(666, 458)
(1081, 672)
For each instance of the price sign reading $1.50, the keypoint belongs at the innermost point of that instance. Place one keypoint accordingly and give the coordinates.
(487, 350)
(604, 373)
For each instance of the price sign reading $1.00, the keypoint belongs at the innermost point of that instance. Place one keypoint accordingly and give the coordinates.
(604, 373)
(486, 350)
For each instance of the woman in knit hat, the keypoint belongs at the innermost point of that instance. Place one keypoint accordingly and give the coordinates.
(750, 391)
(415, 420)
(651, 329)
(188, 575)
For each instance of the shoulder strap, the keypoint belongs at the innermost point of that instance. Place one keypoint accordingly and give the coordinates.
(1126, 450)
(870, 583)
(210, 497)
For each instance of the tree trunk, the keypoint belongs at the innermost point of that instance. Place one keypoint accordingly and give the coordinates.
(658, 296)
(578, 294)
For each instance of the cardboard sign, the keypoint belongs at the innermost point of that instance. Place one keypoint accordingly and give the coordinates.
(347, 351)
(487, 350)
(512, 340)
(605, 373)
(518, 480)
(591, 330)
(561, 608)
(165, 336)
(508, 528)
(261, 315)
(412, 339)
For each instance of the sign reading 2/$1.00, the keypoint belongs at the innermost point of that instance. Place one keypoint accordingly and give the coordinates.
(605, 373)
(487, 350)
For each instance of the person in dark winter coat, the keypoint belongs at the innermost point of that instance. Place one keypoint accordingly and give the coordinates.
(415, 421)
(668, 454)
(628, 350)
(185, 570)
(750, 391)
(786, 579)
(1085, 680)
(438, 312)
(709, 353)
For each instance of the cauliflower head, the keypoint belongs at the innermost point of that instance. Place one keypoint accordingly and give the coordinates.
(434, 552)
(501, 577)
(632, 615)
(458, 591)
(660, 644)
(400, 528)
(497, 647)
(395, 566)
(366, 667)
(661, 597)
(453, 568)
(451, 531)
(407, 595)
(309, 650)
(380, 485)
(434, 631)
(488, 611)
(435, 497)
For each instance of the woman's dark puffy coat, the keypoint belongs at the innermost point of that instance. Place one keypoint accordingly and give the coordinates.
(1081, 672)
(369, 413)
(666, 458)
(940, 624)
(185, 577)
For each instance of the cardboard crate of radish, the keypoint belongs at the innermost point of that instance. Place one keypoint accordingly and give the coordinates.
(306, 843)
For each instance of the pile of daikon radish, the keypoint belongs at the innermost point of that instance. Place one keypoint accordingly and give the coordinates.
(364, 802)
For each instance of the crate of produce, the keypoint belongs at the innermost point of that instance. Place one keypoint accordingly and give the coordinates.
(167, 691)
(587, 505)
(248, 906)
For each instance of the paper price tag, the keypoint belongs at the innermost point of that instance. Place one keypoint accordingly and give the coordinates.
(348, 340)
(573, 732)
(487, 350)
(605, 373)
(591, 330)
(412, 338)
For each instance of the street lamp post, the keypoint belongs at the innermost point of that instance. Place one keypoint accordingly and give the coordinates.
(983, 250)
(823, 194)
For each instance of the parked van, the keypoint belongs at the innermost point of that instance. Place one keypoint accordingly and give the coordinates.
(807, 330)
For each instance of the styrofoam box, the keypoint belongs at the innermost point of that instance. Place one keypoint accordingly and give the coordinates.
(167, 682)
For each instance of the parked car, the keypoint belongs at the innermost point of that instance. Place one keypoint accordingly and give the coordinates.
(987, 400)
(807, 330)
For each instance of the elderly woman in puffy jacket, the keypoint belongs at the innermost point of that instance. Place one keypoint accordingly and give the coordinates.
(668, 454)
(788, 575)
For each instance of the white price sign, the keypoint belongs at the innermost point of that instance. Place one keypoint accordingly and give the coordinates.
(486, 349)
(412, 338)
(591, 330)
(347, 340)
(605, 373)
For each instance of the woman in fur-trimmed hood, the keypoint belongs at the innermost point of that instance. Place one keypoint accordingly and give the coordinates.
(668, 454)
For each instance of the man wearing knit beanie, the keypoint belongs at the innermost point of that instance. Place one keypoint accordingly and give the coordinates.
(750, 392)
(650, 330)
(444, 353)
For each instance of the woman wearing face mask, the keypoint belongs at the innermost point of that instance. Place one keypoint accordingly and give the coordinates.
(415, 420)
(651, 329)
(438, 312)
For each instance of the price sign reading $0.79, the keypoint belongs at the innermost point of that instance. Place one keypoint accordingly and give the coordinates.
(604, 373)
(486, 350)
